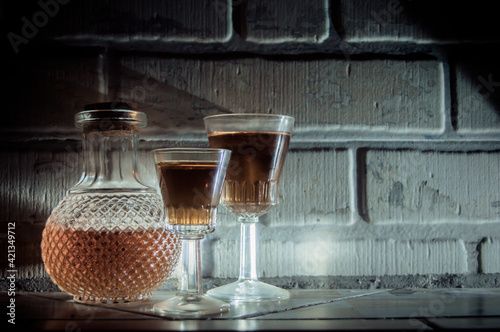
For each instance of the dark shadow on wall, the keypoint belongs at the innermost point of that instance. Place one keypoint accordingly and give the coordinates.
(475, 87)
(464, 35)
(469, 37)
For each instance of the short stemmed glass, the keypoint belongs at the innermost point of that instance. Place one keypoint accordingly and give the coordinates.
(258, 144)
(191, 182)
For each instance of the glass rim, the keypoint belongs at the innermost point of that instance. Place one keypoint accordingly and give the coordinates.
(190, 150)
(112, 115)
(176, 155)
(243, 115)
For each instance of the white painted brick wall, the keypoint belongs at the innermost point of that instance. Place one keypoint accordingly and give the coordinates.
(272, 22)
(276, 259)
(345, 258)
(34, 182)
(490, 259)
(314, 190)
(394, 162)
(478, 91)
(416, 21)
(432, 187)
(377, 257)
(369, 95)
(199, 21)
(38, 180)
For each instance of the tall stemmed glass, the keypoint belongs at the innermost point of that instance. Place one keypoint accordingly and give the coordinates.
(258, 144)
(191, 182)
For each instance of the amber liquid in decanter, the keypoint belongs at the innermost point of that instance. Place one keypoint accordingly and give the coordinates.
(116, 264)
(106, 240)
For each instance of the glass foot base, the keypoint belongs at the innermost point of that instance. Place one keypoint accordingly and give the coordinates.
(249, 291)
(111, 300)
(191, 306)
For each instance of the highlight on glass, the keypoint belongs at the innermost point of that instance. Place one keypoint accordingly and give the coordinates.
(258, 144)
(105, 241)
(191, 181)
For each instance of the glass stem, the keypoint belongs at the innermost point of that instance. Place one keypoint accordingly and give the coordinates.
(191, 267)
(248, 248)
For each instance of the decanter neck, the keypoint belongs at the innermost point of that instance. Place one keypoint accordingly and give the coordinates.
(110, 160)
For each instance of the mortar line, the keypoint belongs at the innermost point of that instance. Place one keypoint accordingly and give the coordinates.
(319, 136)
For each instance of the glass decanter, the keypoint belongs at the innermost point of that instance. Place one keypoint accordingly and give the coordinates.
(106, 241)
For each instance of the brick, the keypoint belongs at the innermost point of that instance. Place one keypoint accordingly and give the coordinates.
(417, 21)
(346, 258)
(381, 257)
(314, 190)
(489, 258)
(270, 22)
(170, 109)
(478, 96)
(34, 181)
(387, 95)
(432, 187)
(199, 21)
(37, 180)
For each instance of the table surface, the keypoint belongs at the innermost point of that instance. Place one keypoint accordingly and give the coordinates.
(381, 309)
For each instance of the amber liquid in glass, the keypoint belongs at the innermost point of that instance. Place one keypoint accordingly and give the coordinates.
(109, 265)
(254, 169)
(188, 190)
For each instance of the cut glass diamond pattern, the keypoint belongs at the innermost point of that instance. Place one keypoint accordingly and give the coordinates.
(109, 248)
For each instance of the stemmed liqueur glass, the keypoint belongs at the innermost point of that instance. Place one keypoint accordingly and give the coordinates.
(258, 144)
(191, 182)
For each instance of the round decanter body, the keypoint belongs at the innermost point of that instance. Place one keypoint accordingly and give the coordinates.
(109, 247)
(107, 240)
